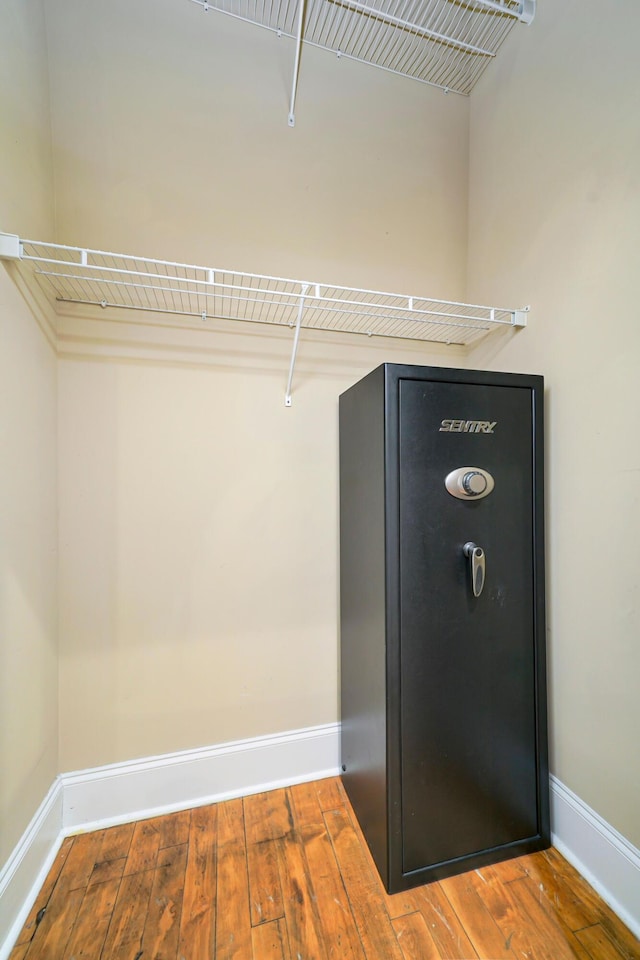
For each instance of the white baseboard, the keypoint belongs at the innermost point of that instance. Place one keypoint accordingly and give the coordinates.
(24, 872)
(137, 789)
(602, 855)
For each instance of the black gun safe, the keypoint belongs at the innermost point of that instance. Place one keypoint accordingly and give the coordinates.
(443, 687)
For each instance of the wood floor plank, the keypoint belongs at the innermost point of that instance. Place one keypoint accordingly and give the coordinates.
(579, 902)
(145, 844)
(300, 900)
(270, 941)
(267, 816)
(396, 904)
(509, 870)
(557, 915)
(87, 938)
(267, 819)
(265, 888)
(561, 891)
(524, 922)
(174, 828)
(597, 944)
(233, 923)
(554, 940)
(19, 951)
(305, 805)
(337, 927)
(52, 933)
(162, 927)
(363, 889)
(300, 907)
(107, 870)
(198, 920)
(414, 938)
(116, 842)
(331, 793)
(81, 860)
(42, 899)
(482, 930)
(444, 926)
(124, 935)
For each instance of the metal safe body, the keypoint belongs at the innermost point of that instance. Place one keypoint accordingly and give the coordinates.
(443, 685)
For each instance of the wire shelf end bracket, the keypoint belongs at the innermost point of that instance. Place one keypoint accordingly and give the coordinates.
(10, 247)
(519, 317)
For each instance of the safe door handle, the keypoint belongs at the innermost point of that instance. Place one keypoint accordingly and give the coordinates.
(476, 566)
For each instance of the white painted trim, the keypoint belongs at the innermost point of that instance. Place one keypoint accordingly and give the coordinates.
(26, 869)
(142, 788)
(603, 856)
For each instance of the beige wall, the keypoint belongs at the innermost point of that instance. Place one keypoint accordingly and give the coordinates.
(171, 140)
(28, 628)
(555, 222)
(26, 184)
(198, 519)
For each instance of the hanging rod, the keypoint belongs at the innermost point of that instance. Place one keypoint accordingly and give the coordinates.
(115, 280)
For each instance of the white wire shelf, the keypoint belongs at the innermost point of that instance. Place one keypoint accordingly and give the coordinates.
(114, 280)
(446, 43)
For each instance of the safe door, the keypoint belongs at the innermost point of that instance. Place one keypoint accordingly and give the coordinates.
(468, 731)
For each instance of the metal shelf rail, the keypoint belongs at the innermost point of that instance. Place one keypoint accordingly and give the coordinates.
(81, 275)
(445, 43)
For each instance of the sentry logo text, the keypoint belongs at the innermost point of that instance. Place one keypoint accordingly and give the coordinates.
(467, 426)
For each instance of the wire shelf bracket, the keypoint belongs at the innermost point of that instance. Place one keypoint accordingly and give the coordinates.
(115, 280)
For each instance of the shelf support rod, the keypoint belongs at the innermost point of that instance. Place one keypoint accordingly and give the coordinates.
(294, 351)
(296, 66)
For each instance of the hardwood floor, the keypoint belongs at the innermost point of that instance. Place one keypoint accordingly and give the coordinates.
(286, 875)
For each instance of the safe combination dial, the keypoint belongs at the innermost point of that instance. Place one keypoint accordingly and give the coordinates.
(474, 483)
(469, 483)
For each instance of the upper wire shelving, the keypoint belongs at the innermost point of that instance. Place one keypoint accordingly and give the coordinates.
(82, 275)
(445, 43)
